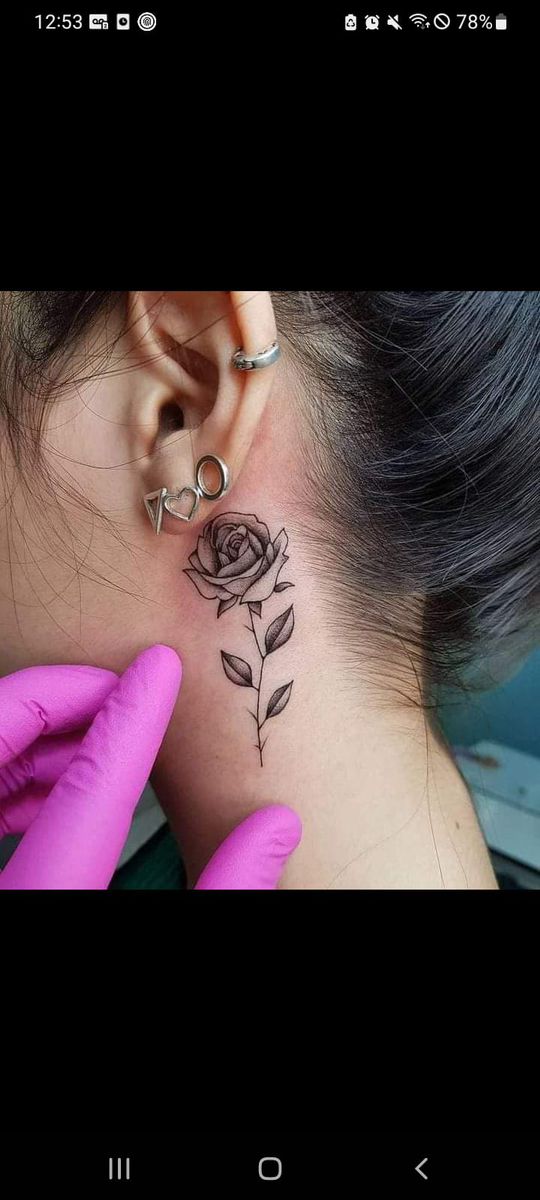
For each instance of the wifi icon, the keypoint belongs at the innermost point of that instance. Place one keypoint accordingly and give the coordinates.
(420, 20)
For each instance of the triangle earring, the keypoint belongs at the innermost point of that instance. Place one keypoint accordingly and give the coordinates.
(153, 503)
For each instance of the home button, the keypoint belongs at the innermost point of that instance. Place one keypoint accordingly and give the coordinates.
(270, 1168)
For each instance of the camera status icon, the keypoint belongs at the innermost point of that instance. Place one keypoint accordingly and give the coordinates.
(122, 20)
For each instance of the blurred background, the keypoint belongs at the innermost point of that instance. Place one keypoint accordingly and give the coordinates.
(496, 740)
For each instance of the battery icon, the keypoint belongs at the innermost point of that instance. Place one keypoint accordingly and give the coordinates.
(500, 21)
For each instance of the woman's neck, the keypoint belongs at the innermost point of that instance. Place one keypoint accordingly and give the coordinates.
(381, 801)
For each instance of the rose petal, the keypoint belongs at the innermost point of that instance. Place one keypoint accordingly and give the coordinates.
(196, 562)
(248, 521)
(223, 559)
(207, 589)
(228, 543)
(270, 555)
(222, 535)
(237, 587)
(246, 565)
(264, 586)
(281, 542)
(207, 556)
(255, 544)
(224, 605)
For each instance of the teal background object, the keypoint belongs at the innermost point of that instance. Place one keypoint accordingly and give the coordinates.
(509, 714)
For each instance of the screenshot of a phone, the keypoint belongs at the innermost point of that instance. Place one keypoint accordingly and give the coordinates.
(269, 582)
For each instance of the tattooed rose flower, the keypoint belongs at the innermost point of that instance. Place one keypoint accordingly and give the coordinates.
(236, 560)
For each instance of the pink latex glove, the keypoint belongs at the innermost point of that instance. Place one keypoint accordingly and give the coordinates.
(254, 855)
(73, 794)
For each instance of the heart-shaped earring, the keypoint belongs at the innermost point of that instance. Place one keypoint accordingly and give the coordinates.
(156, 502)
(174, 498)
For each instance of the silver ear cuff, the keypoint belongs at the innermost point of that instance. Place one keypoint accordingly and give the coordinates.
(255, 362)
(162, 500)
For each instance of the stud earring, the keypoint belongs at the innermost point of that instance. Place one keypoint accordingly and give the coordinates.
(162, 500)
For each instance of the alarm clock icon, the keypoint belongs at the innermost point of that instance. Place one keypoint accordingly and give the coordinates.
(372, 22)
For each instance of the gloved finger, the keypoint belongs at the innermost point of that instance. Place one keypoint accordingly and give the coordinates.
(22, 810)
(26, 782)
(77, 838)
(51, 699)
(254, 855)
(41, 764)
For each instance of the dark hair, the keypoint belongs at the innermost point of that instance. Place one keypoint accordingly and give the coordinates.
(421, 489)
(425, 456)
(39, 335)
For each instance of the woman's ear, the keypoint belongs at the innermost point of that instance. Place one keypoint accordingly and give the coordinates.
(190, 400)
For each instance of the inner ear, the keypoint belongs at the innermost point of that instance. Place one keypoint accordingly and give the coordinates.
(195, 389)
(171, 418)
(200, 368)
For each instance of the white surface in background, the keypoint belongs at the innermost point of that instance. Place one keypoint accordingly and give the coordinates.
(506, 797)
(146, 822)
(149, 817)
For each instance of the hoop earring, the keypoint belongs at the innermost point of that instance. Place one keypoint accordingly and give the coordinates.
(256, 362)
(162, 500)
(224, 477)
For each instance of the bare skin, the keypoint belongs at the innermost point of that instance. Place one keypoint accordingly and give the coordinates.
(382, 803)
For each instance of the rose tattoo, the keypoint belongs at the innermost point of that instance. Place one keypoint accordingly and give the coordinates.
(237, 562)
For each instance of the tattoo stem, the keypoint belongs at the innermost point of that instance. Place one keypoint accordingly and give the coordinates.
(258, 690)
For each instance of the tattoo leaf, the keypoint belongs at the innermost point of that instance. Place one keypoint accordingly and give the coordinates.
(280, 630)
(278, 700)
(255, 607)
(237, 670)
(280, 587)
(225, 604)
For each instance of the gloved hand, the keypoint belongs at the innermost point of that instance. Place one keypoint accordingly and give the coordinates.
(73, 793)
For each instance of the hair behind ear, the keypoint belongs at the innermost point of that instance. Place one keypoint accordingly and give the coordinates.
(425, 409)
